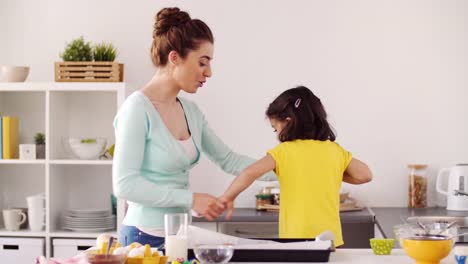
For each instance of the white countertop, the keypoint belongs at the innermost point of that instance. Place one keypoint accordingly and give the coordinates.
(365, 256)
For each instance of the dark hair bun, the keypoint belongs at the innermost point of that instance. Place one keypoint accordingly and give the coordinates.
(169, 17)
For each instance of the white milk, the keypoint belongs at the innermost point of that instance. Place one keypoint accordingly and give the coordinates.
(176, 247)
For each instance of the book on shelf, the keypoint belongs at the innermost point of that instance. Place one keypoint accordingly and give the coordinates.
(10, 134)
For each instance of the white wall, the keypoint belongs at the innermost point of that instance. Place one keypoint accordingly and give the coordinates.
(392, 74)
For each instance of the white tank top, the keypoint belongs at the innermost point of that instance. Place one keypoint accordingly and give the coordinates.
(191, 151)
(190, 148)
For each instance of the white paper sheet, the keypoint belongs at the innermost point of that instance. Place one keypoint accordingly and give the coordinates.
(203, 236)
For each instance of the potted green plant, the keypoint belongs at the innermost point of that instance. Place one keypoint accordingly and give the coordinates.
(85, 63)
(39, 139)
(104, 52)
(77, 50)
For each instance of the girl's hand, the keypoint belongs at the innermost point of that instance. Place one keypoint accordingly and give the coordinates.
(207, 206)
(229, 203)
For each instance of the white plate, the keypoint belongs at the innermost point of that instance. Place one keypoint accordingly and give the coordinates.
(85, 222)
(100, 223)
(89, 218)
(84, 230)
(89, 212)
(92, 227)
(89, 225)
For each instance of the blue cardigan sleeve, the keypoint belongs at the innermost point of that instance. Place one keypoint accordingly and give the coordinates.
(131, 131)
(228, 160)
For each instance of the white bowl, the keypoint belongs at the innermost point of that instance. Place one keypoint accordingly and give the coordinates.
(14, 73)
(87, 148)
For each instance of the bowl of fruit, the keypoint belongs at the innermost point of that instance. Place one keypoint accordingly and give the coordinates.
(85, 148)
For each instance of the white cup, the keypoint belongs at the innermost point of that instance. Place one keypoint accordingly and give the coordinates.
(36, 202)
(13, 218)
(36, 219)
(36, 212)
(176, 230)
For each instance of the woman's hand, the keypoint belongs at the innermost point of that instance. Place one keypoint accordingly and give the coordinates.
(207, 206)
(229, 203)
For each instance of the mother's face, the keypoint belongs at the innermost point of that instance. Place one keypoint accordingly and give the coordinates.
(193, 71)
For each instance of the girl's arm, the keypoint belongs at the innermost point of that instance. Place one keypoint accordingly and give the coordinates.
(357, 172)
(245, 179)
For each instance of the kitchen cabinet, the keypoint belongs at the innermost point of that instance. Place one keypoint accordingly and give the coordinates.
(20, 250)
(64, 248)
(60, 111)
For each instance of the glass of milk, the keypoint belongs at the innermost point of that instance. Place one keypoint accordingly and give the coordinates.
(176, 229)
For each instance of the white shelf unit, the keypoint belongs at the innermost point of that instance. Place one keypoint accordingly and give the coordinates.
(59, 110)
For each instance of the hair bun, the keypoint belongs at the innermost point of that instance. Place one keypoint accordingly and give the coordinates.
(169, 17)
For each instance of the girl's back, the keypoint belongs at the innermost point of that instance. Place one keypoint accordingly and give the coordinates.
(310, 173)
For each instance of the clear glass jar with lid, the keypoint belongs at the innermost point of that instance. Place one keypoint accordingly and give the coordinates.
(417, 190)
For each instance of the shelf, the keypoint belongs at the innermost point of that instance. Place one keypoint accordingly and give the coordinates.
(64, 233)
(60, 110)
(61, 86)
(64, 162)
(21, 233)
(23, 87)
(81, 162)
(22, 162)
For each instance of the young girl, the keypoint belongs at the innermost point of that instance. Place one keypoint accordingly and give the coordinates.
(309, 164)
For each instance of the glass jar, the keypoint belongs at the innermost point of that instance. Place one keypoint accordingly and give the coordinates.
(261, 200)
(417, 191)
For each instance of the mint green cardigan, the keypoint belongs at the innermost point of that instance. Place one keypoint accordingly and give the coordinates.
(151, 168)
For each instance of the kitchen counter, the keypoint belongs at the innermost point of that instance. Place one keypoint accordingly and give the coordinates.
(365, 256)
(252, 215)
(388, 217)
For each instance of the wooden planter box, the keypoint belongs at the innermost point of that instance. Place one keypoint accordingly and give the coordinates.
(88, 71)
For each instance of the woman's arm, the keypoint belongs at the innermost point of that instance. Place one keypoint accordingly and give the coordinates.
(228, 160)
(245, 179)
(357, 172)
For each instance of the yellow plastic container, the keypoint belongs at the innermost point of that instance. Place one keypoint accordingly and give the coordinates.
(427, 251)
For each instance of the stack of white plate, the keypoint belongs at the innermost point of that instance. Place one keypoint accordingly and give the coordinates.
(89, 220)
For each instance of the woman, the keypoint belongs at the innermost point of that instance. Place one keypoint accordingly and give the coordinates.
(159, 136)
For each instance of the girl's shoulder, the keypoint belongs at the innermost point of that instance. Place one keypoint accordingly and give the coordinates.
(310, 143)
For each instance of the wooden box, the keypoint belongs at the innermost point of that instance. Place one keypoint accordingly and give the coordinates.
(88, 71)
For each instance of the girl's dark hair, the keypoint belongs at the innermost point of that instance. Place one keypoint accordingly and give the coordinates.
(175, 30)
(308, 119)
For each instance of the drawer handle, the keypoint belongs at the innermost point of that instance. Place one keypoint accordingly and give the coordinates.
(10, 247)
(82, 248)
(253, 233)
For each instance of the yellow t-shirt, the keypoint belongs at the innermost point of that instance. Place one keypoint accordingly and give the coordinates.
(310, 173)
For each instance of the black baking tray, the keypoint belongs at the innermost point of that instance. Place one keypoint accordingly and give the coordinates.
(275, 255)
